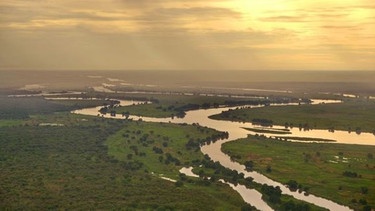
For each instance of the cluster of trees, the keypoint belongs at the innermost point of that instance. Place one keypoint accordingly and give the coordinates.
(292, 206)
(294, 186)
(195, 144)
(226, 174)
(110, 107)
(22, 108)
(350, 174)
(271, 193)
(301, 126)
(171, 159)
(262, 122)
(363, 202)
(157, 150)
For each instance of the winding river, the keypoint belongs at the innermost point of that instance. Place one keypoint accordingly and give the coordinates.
(236, 131)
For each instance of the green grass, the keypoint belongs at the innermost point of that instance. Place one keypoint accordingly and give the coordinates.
(147, 110)
(138, 139)
(10, 122)
(344, 116)
(312, 165)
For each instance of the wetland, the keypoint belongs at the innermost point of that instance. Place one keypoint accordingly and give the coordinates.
(147, 146)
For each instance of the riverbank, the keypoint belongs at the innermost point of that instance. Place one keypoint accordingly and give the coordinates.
(340, 172)
(354, 116)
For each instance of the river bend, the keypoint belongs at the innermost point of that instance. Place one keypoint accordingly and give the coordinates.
(236, 131)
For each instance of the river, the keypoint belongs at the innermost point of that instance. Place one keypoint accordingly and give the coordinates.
(236, 131)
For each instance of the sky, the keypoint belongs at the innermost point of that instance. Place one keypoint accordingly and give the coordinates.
(187, 35)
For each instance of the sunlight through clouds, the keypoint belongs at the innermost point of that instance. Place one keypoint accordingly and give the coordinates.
(197, 34)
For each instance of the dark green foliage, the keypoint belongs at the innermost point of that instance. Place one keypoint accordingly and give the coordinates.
(272, 193)
(69, 168)
(291, 206)
(21, 108)
(247, 207)
(262, 122)
(370, 155)
(350, 174)
(367, 208)
(364, 190)
(249, 165)
(292, 185)
(354, 116)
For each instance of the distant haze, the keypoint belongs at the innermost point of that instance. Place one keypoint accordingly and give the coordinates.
(187, 35)
(304, 81)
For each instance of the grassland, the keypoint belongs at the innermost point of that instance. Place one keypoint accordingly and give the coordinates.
(162, 148)
(353, 116)
(342, 173)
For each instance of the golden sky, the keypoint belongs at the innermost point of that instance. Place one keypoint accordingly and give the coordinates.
(188, 35)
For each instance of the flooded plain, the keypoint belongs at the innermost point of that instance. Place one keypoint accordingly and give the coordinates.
(236, 131)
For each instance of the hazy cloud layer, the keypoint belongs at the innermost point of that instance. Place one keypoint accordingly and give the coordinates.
(197, 34)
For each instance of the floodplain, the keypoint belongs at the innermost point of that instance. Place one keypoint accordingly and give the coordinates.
(52, 157)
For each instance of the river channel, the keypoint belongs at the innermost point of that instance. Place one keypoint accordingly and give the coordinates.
(236, 131)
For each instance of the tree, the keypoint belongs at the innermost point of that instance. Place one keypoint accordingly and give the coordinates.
(249, 165)
(179, 183)
(370, 156)
(364, 190)
(292, 185)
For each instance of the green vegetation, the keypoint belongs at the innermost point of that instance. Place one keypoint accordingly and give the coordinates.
(69, 168)
(151, 110)
(340, 172)
(10, 122)
(79, 104)
(52, 159)
(12, 108)
(177, 105)
(277, 201)
(21, 108)
(293, 138)
(270, 131)
(161, 148)
(356, 116)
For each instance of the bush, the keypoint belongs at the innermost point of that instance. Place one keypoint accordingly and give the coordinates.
(292, 185)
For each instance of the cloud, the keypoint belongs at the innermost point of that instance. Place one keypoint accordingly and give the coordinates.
(334, 27)
(285, 18)
(195, 34)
